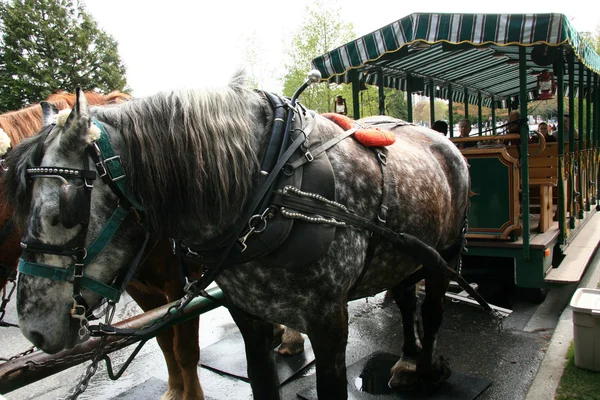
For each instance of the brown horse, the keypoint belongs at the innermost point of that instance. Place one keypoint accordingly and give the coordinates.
(154, 287)
(156, 283)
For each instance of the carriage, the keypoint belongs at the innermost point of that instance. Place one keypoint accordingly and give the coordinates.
(429, 50)
(533, 209)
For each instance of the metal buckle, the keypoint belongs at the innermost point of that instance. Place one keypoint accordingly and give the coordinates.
(111, 159)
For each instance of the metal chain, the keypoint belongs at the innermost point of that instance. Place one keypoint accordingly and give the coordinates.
(19, 355)
(5, 300)
(98, 354)
(89, 372)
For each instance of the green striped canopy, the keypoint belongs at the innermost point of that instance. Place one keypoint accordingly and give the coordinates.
(478, 52)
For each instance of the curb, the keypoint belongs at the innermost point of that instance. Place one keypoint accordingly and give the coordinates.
(551, 369)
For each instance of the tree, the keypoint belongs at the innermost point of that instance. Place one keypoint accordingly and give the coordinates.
(321, 32)
(395, 104)
(53, 45)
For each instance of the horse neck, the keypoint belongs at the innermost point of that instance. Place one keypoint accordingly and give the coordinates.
(202, 189)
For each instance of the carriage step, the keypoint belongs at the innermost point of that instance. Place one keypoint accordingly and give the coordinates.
(455, 287)
(578, 254)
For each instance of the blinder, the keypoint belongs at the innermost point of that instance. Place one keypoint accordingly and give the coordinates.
(75, 192)
(74, 204)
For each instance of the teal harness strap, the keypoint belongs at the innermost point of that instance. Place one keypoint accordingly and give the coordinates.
(112, 165)
(109, 230)
(66, 275)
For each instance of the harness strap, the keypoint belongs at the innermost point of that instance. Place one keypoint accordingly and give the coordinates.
(110, 168)
(67, 275)
(325, 146)
(404, 241)
(381, 215)
(107, 233)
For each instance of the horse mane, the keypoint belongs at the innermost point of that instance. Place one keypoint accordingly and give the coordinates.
(22, 123)
(190, 153)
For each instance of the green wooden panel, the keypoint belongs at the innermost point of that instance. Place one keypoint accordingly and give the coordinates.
(491, 184)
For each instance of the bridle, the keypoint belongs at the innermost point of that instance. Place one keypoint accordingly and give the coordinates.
(75, 208)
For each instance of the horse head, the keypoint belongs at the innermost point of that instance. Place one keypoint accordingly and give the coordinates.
(69, 264)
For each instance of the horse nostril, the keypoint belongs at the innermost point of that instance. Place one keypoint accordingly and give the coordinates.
(37, 339)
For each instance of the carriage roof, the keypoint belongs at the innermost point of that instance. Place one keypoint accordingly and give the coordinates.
(477, 52)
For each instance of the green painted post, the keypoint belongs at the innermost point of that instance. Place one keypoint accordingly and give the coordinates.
(589, 193)
(572, 200)
(431, 103)
(581, 145)
(450, 111)
(560, 95)
(355, 94)
(409, 97)
(381, 93)
(480, 113)
(493, 115)
(524, 150)
(466, 103)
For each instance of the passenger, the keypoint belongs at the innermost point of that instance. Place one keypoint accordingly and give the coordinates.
(566, 130)
(464, 127)
(543, 129)
(440, 126)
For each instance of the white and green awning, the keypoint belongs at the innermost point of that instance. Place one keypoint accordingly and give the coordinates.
(477, 52)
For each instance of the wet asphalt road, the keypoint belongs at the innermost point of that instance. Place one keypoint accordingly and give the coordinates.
(469, 339)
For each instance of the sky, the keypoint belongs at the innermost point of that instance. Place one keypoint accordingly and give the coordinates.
(190, 43)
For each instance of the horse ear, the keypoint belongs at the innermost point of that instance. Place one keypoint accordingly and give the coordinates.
(76, 128)
(49, 112)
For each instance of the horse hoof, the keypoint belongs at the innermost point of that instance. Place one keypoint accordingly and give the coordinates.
(291, 349)
(404, 375)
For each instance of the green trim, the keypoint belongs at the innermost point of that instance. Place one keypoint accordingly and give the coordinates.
(66, 275)
(113, 166)
(109, 230)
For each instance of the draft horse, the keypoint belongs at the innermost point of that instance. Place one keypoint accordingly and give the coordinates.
(333, 220)
(157, 283)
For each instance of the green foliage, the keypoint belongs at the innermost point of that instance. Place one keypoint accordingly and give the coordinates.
(321, 32)
(576, 383)
(395, 104)
(53, 45)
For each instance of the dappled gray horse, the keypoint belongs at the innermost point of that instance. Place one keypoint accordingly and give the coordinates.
(342, 221)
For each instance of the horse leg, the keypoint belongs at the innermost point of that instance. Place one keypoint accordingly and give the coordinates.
(258, 339)
(403, 373)
(433, 371)
(186, 347)
(292, 342)
(329, 336)
(148, 299)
